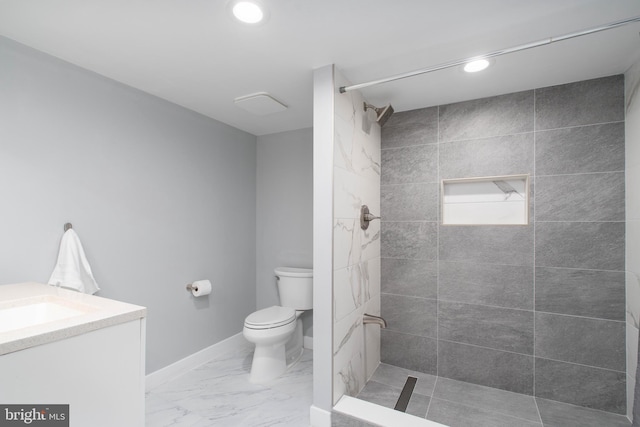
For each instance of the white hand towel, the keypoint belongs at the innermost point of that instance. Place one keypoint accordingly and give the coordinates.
(72, 268)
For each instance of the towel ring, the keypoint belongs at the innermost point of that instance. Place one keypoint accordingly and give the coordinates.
(67, 226)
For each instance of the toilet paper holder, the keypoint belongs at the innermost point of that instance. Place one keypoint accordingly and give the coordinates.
(191, 287)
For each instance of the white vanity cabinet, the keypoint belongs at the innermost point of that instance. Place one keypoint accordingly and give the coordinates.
(97, 367)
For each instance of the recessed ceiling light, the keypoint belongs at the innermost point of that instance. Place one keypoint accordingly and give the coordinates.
(249, 12)
(477, 65)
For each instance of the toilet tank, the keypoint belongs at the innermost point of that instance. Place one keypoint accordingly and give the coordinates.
(295, 286)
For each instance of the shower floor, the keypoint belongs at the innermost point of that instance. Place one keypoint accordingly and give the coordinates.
(456, 403)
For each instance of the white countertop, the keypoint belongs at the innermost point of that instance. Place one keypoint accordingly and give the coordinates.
(97, 313)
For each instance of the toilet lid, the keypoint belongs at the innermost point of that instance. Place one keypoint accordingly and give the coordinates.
(271, 317)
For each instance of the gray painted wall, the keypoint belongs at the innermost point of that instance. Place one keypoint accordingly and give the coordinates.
(160, 196)
(536, 309)
(284, 224)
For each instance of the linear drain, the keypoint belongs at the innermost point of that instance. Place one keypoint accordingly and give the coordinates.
(405, 394)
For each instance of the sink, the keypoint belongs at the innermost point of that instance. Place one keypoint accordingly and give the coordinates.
(39, 310)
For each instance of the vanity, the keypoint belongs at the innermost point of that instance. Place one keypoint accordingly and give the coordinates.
(63, 347)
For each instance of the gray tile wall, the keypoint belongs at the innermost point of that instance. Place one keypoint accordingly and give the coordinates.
(536, 309)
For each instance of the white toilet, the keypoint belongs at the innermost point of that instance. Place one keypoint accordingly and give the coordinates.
(277, 331)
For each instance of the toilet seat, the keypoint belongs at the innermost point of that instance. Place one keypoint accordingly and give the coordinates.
(269, 318)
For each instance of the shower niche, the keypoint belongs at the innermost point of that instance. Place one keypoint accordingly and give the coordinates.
(494, 200)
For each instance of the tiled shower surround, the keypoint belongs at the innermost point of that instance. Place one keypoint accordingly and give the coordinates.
(537, 309)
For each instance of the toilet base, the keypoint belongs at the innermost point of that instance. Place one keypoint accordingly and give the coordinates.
(272, 360)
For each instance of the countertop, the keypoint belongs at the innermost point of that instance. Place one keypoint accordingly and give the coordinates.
(97, 313)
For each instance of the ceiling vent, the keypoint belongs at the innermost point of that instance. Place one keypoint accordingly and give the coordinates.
(260, 103)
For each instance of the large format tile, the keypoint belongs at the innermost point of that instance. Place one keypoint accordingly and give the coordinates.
(589, 293)
(581, 385)
(454, 414)
(582, 103)
(396, 377)
(481, 118)
(409, 202)
(410, 315)
(387, 396)
(592, 342)
(380, 394)
(583, 197)
(408, 351)
(409, 240)
(504, 155)
(556, 414)
(410, 164)
(583, 149)
(415, 127)
(483, 366)
(508, 286)
(409, 277)
(492, 327)
(492, 399)
(496, 244)
(589, 245)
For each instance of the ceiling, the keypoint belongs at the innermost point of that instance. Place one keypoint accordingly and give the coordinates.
(192, 53)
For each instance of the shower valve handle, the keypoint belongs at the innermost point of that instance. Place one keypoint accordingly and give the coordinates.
(366, 217)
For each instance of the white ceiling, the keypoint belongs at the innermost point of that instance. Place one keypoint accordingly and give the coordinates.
(192, 53)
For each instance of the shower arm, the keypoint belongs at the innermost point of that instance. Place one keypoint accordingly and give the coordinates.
(493, 54)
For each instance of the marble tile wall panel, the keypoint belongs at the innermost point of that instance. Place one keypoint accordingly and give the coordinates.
(492, 327)
(408, 351)
(484, 366)
(592, 342)
(587, 245)
(507, 245)
(481, 118)
(351, 191)
(372, 337)
(581, 103)
(408, 165)
(356, 252)
(584, 149)
(589, 293)
(410, 315)
(409, 240)
(409, 277)
(503, 155)
(415, 127)
(583, 197)
(508, 286)
(409, 202)
(581, 385)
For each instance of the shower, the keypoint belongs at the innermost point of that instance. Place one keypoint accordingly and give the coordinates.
(382, 114)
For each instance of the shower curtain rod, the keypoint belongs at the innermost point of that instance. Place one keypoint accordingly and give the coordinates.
(493, 54)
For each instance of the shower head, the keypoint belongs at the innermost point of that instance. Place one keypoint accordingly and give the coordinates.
(382, 113)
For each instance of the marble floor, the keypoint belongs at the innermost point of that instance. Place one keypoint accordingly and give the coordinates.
(219, 394)
(460, 404)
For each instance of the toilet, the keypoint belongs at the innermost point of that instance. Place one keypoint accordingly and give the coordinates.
(277, 331)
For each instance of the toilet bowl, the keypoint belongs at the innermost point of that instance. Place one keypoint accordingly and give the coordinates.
(277, 331)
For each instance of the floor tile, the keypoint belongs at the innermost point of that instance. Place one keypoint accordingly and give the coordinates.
(487, 398)
(455, 414)
(556, 414)
(396, 377)
(218, 393)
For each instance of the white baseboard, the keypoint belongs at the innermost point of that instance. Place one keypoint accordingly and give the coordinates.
(319, 417)
(192, 361)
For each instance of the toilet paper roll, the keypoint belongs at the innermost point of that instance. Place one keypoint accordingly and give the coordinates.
(200, 288)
